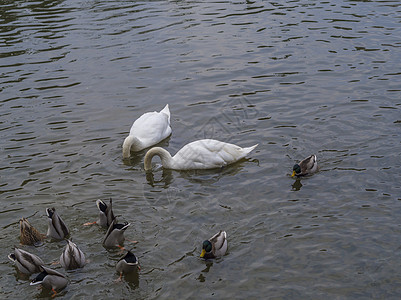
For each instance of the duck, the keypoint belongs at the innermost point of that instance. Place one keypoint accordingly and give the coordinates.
(215, 247)
(127, 264)
(26, 262)
(307, 166)
(106, 215)
(72, 257)
(115, 234)
(29, 235)
(50, 279)
(200, 154)
(56, 226)
(148, 130)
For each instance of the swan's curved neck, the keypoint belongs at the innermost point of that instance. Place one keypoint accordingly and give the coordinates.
(130, 142)
(162, 153)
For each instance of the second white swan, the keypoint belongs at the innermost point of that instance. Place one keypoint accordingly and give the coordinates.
(201, 154)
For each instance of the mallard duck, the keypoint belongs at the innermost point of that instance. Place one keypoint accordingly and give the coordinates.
(216, 246)
(28, 234)
(106, 215)
(26, 262)
(305, 167)
(148, 130)
(201, 154)
(50, 279)
(127, 264)
(56, 226)
(72, 257)
(115, 234)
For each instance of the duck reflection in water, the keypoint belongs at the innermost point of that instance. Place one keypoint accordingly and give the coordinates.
(201, 276)
(296, 186)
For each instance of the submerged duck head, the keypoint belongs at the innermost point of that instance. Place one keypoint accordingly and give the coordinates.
(26, 262)
(115, 234)
(72, 257)
(56, 226)
(28, 234)
(106, 215)
(128, 263)
(50, 279)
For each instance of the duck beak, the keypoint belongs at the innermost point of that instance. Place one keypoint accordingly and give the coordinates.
(203, 253)
(293, 174)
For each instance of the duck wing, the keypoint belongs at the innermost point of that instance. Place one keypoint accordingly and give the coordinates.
(308, 164)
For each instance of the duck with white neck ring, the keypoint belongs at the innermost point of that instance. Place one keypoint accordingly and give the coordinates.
(198, 155)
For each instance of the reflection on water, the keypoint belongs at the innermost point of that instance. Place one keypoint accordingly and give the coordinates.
(164, 181)
(296, 77)
(296, 186)
(206, 177)
(132, 279)
(202, 277)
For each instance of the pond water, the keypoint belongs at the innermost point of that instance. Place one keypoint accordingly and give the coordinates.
(296, 77)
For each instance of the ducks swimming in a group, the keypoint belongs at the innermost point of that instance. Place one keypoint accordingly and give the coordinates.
(148, 130)
(201, 154)
(71, 257)
(29, 263)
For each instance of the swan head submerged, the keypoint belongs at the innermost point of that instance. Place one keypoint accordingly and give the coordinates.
(162, 153)
(133, 143)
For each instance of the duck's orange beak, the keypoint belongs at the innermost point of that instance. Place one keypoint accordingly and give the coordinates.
(293, 174)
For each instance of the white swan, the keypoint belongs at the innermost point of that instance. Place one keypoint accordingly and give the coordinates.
(149, 129)
(202, 154)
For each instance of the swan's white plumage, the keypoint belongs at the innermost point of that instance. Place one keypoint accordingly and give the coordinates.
(148, 130)
(201, 154)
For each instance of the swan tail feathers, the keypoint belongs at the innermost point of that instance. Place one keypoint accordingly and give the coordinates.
(249, 149)
(166, 111)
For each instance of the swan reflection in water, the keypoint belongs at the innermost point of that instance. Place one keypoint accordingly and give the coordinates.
(203, 177)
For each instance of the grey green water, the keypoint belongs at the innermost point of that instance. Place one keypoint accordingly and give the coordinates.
(297, 77)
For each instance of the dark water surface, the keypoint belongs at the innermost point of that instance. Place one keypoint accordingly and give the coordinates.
(297, 77)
